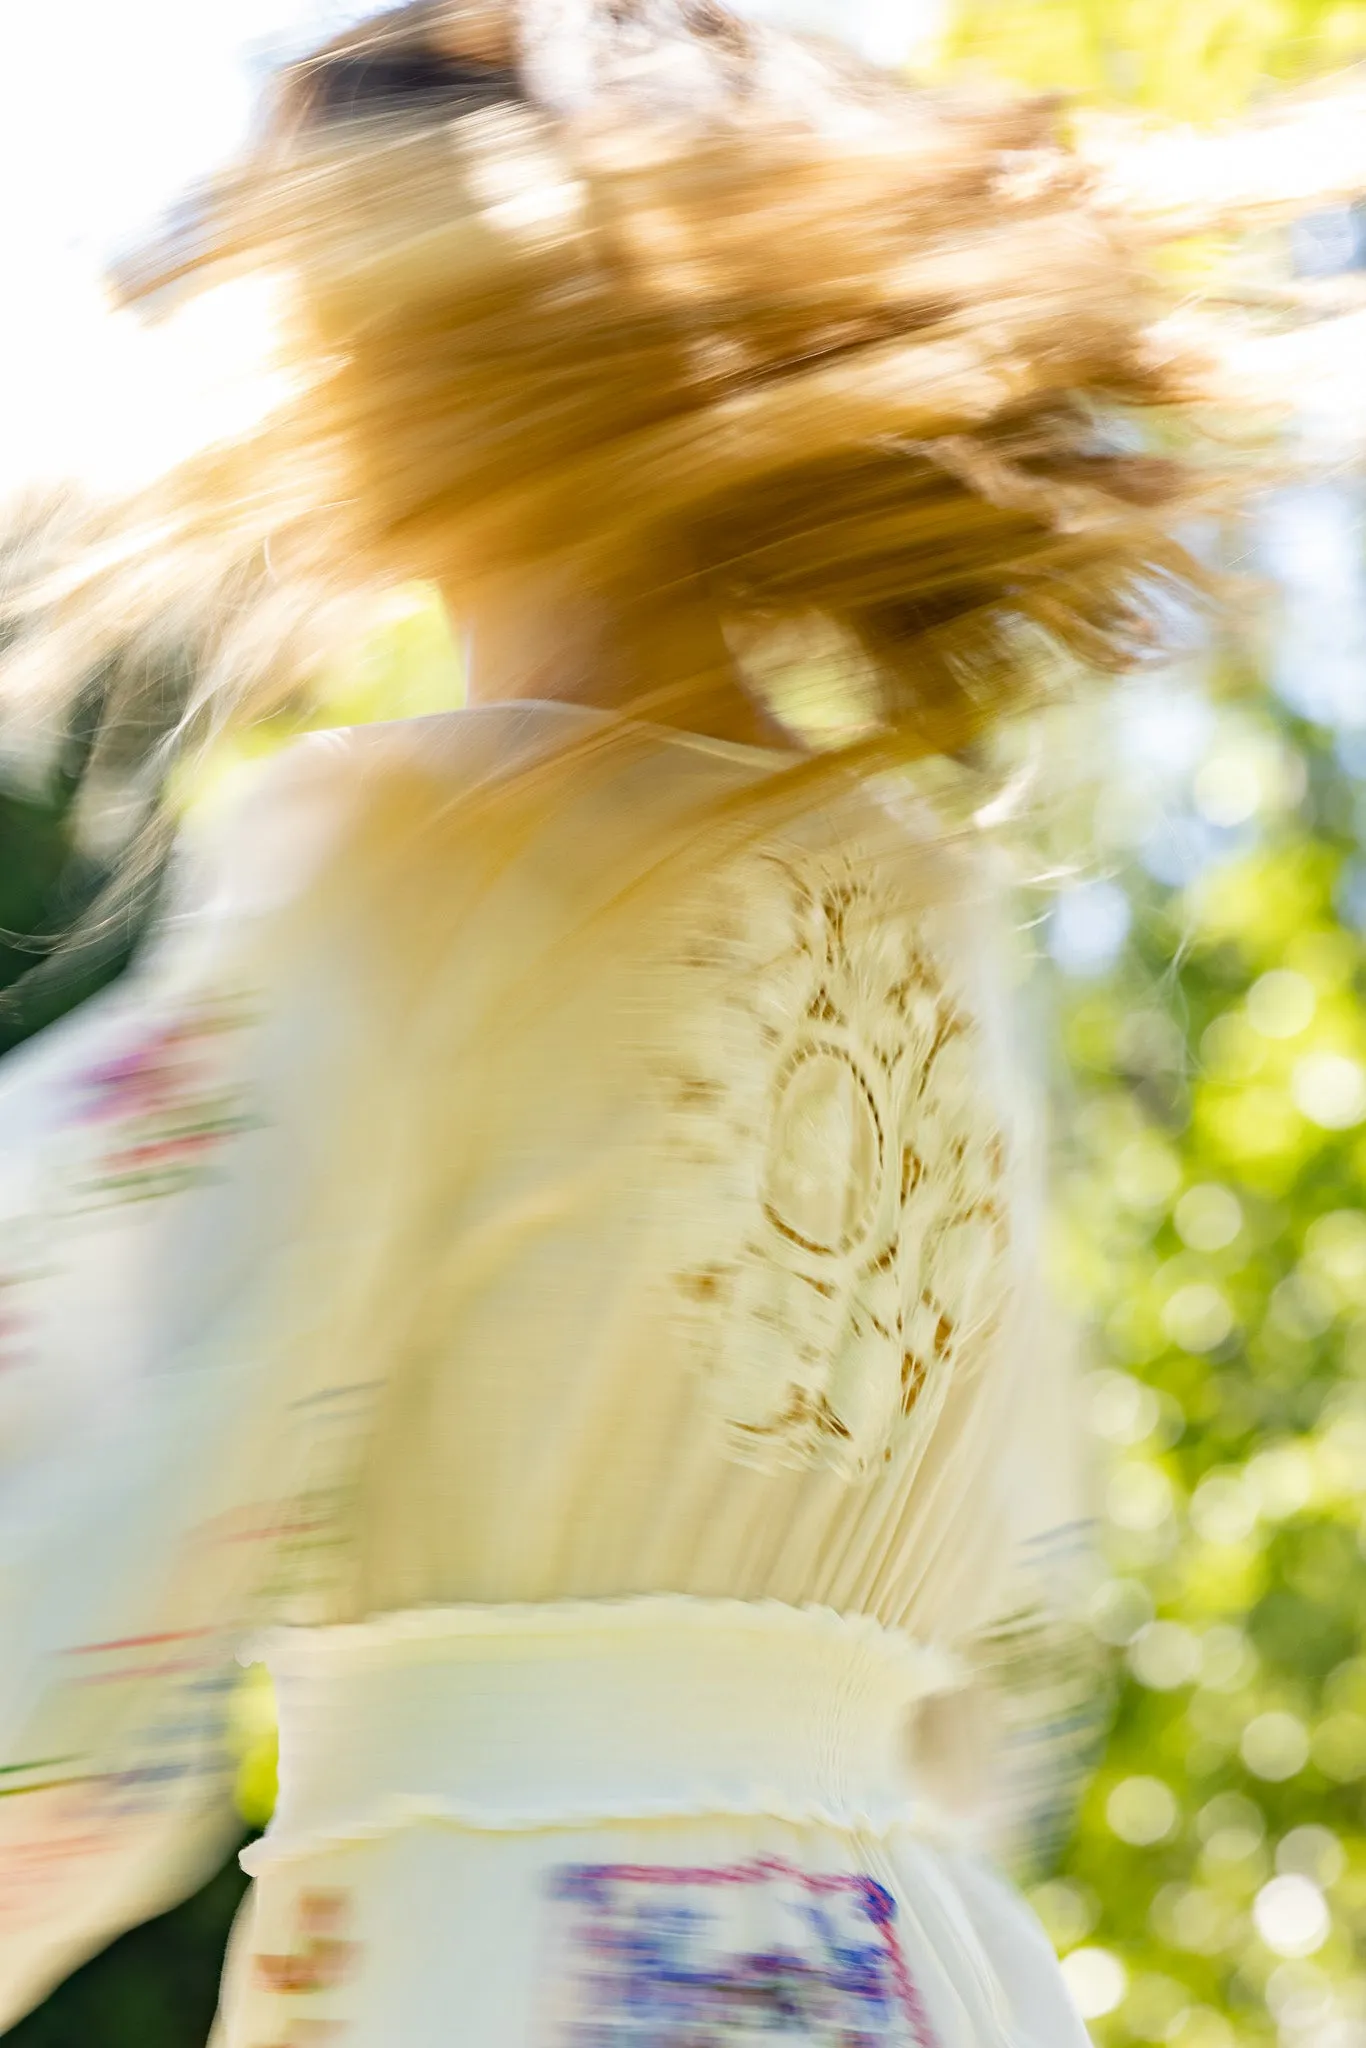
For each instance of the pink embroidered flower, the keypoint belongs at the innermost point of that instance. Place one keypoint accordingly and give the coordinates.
(168, 1105)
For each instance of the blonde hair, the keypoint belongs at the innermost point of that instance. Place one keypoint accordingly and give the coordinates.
(628, 290)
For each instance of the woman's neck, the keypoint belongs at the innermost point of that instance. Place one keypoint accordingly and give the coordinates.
(667, 664)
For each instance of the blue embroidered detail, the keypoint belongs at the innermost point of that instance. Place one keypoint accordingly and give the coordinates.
(665, 1956)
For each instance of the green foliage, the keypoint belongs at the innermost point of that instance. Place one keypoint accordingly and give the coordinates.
(406, 666)
(1210, 1229)
(47, 885)
(156, 1987)
(1194, 60)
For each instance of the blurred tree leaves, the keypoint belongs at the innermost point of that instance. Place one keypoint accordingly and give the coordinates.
(1192, 60)
(57, 944)
(1209, 1228)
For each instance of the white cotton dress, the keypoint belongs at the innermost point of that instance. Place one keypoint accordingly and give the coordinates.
(574, 1317)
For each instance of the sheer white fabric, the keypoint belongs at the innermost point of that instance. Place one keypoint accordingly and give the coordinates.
(414, 1229)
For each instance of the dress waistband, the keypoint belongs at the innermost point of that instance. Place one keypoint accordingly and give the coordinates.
(578, 1712)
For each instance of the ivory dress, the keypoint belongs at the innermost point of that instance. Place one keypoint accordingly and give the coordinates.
(577, 1323)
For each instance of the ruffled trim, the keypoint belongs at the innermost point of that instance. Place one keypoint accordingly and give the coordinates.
(468, 1635)
(924, 1819)
(927, 1667)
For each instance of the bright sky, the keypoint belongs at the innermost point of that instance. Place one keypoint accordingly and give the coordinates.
(108, 110)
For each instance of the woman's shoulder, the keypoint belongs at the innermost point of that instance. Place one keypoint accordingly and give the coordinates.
(544, 778)
(270, 827)
(556, 812)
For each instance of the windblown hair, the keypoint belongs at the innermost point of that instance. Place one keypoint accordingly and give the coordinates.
(632, 293)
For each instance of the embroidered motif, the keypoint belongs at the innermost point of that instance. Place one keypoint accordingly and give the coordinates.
(848, 1218)
(320, 1959)
(165, 1107)
(663, 1957)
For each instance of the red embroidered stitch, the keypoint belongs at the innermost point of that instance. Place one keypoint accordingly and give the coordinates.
(167, 1104)
(649, 1965)
(321, 1959)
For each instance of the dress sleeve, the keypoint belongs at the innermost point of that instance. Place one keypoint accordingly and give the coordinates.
(176, 1249)
(1043, 1666)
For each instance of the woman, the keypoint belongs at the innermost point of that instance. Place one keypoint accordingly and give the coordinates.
(545, 1231)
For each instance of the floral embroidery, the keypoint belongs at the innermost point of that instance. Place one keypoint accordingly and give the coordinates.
(654, 1956)
(321, 1959)
(847, 1222)
(165, 1107)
